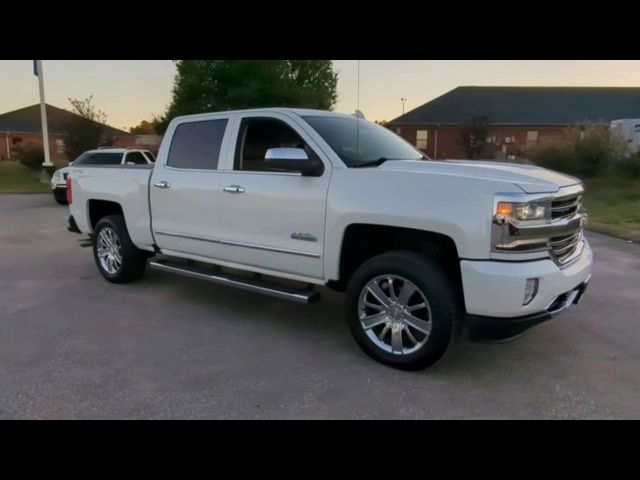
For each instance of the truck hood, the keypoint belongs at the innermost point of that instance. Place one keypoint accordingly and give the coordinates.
(530, 178)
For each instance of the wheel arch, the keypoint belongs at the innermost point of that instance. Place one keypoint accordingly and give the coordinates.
(362, 241)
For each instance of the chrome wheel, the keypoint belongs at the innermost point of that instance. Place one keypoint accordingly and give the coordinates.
(109, 250)
(395, 314)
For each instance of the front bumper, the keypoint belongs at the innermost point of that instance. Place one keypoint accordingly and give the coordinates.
(492, 328)
(496, 289)
(58, 186)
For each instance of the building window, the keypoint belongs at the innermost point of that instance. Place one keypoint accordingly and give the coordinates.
(532, 136)
(59, 145)
(421, 139)
(398, 130)
(16, 141)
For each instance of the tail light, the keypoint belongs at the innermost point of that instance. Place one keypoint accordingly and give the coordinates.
(69, 193)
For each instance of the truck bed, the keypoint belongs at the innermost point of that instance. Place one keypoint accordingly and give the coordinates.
(126, 185)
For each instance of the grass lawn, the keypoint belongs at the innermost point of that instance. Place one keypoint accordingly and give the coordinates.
(613, 204)
(18, 178)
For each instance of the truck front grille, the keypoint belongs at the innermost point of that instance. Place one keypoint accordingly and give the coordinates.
(561, 248)
(568, 206)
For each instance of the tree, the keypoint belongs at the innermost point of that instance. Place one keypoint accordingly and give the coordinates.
(143, 128)
(473, 137)
(86, 130)
(214, 85)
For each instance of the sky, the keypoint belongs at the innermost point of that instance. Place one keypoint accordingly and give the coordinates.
(130, 91)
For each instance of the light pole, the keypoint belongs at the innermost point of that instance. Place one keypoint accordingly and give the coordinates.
(403, 100)
(37, 70)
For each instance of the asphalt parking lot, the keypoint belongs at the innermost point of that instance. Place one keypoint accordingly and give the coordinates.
(75, 346)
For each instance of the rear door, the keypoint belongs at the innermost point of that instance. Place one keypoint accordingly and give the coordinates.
(186, 188)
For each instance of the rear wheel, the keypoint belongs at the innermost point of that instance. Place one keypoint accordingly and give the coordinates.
(403, 309)
(117, 258)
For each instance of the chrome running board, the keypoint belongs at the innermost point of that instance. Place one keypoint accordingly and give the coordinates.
(255, 284)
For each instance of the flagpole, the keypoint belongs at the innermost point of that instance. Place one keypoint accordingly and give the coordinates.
(43, 115)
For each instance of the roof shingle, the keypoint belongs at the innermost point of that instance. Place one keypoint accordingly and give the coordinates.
(528, 106)
(27, 120)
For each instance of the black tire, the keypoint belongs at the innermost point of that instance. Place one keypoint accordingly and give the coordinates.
(61, 196)
(433, 282)
(134, 260)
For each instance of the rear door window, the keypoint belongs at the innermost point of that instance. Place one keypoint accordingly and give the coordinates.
(196, 145)
(136, 158)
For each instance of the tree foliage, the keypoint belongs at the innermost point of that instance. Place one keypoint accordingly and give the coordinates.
(143, 128)
(215, 85)
(473, 137)
(86, 131)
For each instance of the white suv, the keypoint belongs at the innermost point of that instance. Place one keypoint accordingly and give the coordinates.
(104, 156)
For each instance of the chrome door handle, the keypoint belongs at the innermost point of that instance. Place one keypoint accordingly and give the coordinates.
(162, 184)
(234, 189)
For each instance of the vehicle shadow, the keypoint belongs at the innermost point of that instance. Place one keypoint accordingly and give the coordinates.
(326, 319)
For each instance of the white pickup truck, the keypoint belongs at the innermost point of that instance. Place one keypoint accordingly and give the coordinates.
(280, 201)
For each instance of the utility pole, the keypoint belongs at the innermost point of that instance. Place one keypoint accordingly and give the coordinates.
(403, 100)
(37, 71)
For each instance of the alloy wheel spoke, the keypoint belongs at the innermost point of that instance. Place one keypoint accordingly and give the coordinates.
(392, 292)
(374, 320)
(396, 340)
(422, 325)
(374, 289)
(383, 332)
(405, 293)
(410, 336)
(418, 306)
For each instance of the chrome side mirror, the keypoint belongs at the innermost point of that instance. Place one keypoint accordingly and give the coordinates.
(293, 160)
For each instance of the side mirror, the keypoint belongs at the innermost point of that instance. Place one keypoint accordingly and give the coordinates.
(293, 160)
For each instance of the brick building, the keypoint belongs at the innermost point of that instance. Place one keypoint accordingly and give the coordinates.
(519, 117)
(23, 127)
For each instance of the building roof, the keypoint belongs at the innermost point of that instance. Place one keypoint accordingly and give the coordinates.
(527, 106)
(27, 120)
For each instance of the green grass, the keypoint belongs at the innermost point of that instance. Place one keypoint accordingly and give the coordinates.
(615, 202)
(18, 178)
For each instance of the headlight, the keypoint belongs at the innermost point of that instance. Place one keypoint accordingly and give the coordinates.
(57, 176)
(523, 211)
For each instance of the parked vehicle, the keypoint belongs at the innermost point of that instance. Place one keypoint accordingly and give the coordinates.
(422, 248)
(111, 156)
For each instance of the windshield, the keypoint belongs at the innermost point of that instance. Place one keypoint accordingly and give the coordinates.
(373, 143)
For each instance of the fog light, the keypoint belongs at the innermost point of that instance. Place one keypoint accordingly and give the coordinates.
(530, 290)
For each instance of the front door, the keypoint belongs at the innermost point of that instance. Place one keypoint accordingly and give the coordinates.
(273, 219)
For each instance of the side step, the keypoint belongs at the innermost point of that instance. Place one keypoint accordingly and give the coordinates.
(256, 284)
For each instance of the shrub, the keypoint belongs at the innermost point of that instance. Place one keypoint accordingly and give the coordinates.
(31, 156)
(589, 151)
(627, 167)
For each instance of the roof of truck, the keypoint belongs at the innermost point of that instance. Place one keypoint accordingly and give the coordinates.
(297, 111)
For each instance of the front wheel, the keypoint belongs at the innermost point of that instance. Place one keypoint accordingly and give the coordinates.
(403, 308)
(117, 258)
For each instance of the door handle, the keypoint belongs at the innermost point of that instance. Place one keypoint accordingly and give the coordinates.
(162, 184)
(234, 189)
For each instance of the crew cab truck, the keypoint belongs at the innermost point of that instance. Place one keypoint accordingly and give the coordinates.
(280, 201)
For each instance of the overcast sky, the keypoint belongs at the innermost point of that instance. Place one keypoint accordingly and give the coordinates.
(129, 91)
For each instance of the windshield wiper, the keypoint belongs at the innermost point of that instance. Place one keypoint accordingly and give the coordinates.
(372, 163)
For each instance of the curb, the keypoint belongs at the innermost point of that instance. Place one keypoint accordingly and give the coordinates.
(614, 231)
